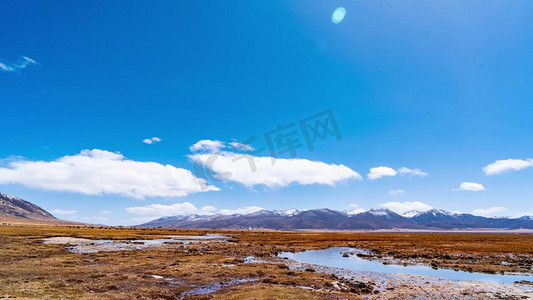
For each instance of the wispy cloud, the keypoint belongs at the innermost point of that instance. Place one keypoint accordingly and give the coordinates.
(396, 192)
(470, 186)
(97, 172)
(20, 64)
(241, 146)
(242, 211)
(382, 171)
(488, 212)
(412, 172)
(63, 211)
(159, 210)
(209, 146)
(402, 207)
(214, 146)
(185, 208)
(507, 165)
(152, 140)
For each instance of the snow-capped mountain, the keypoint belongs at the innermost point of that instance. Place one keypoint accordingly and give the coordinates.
(263, 212)
(411, 213)
(288, 212)
(355, 219)
(435, 213)
(355, 211)
(432, 212)
(381, 212)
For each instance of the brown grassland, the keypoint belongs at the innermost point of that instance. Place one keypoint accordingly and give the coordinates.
(30, 269)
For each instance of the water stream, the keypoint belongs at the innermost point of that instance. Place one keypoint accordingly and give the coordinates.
(333, 257)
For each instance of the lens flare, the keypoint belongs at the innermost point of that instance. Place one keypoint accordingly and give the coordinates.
(338, 15)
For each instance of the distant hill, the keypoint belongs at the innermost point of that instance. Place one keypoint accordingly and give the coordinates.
(373, 219)
(15, 208)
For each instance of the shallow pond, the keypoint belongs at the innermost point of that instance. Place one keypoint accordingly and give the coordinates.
(212, 288)
(333, 257)
(79, 245)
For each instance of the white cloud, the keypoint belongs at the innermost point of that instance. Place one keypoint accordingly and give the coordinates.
(378, 172)
(470, 186)
(271, 172)
(22, 63)
(214, 146)
(242, 211)
(63, 211)
(152, 140)
(209, 146)
(396, 192)
(488, 212)
(412, 172)
(159, 210)
(208, 208)
(402, 207)
(97, 172)
(185, 208)
(254, 170)
(105, 212)
(241, 146)
(507, 165)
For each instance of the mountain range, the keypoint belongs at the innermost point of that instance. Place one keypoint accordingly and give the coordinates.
(16, 209)
(318, 219)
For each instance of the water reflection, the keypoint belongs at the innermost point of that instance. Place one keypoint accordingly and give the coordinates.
(333, 257)
(79, 245)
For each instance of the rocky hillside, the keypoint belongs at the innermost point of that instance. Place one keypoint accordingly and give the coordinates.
(13, 207)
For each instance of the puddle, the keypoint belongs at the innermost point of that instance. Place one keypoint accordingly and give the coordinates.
(172, 281)
(200, 237)
(251, 260)
(333, 257)
(79, 245)
(304, 287)
(212, 288)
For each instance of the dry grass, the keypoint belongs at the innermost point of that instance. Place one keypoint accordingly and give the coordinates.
(31, 269)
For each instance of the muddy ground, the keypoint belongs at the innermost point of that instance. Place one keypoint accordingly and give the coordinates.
(30, 269)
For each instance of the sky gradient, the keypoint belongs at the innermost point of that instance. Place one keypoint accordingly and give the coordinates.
(101, 102)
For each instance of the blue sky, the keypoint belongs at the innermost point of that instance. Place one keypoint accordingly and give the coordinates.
(443, 87)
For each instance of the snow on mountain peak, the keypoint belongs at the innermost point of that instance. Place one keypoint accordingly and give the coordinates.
(291, 212)
(436, 212)
(354, 211)
(262, 212)
(411, 214)
(382, 212)
(287, 213)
